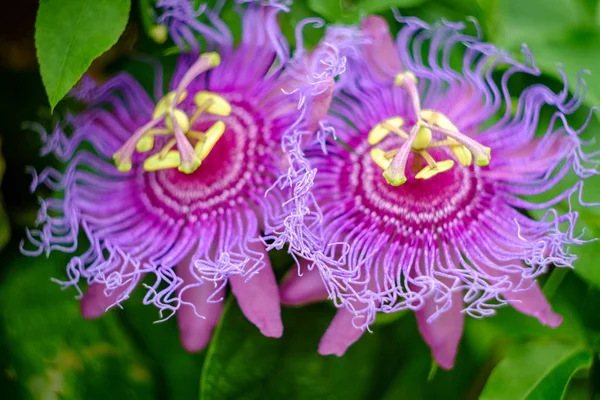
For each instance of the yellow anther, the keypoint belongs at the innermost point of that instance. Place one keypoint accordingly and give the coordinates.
(218, 104)
(214, 133)
(438, 119)
(462, 154)
(159, 33)
(432, 170)
(380, 159)
(182, 119)
(403, 76)
(379, 131)
(146, 143)
(422, 139)
(167, 103)
(154, 163)
(394, 180)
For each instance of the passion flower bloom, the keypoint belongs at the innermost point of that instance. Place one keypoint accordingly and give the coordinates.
(428, 188)
(175, 187)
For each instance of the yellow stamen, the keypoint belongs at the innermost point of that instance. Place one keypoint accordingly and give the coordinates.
(213, 135)
(217, 106)
(166, 103)
(379, 156)
(381, 130)
(192, 146)
(171, 160)
(431, 171)
(146, 143)
(438, 119)
(464, 156)
(182, 119)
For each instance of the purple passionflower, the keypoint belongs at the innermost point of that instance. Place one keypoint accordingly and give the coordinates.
(181, 186)
(180, 19)
(425, 195)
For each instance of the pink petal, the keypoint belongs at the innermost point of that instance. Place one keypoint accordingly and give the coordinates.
(340, 334)
(443, 333)
(381, 52)
(195, 332)
(299, 290)
(95, 302)
(258, 297)
(530, 300)
(319, 106)
(533, 302)
(530, 159)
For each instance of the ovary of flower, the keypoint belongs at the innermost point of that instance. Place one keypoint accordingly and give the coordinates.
(177, 122)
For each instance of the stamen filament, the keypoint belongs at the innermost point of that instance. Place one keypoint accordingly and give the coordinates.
(163, 152)
(201, 108)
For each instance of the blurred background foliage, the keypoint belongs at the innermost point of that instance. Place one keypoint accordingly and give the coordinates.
(47, 350)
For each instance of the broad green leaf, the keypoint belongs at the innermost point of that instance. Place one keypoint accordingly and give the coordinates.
(537, 370)
(563, 31)
(4, 221)
(375, 6)
(180, 370)
(329, 9)
(52, 352)
(243, 364)
(335, 11)
(69, 35)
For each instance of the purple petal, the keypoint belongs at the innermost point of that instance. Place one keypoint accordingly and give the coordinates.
(340, 335)
(258, 297)
(95, 302)
(444, 332)
(532, 302)
(298, 290)
(195, 331)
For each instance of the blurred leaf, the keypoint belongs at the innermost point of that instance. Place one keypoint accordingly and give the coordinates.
(243, 364)
(53, 352)
(335, 11)
(539, 370)
(178, 368)
(561, 32)
(375, 6)
(329, 9)
(4, 221)
(490, 337)
(70, 34)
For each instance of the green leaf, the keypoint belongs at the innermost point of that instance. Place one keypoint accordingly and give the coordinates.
(179, 369)
(539, 370)
(335, 11)
(375, 6)
(243, 364)
(69, 35)
(52, 352)
(562, 32)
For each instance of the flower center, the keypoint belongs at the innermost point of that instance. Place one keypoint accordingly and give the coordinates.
(420, 139)
(193, 146)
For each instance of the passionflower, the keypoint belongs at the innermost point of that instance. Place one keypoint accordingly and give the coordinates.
(175, 188)
(426, 195)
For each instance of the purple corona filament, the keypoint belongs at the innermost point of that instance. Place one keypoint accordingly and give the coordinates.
(425, 197)
(200, 172)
